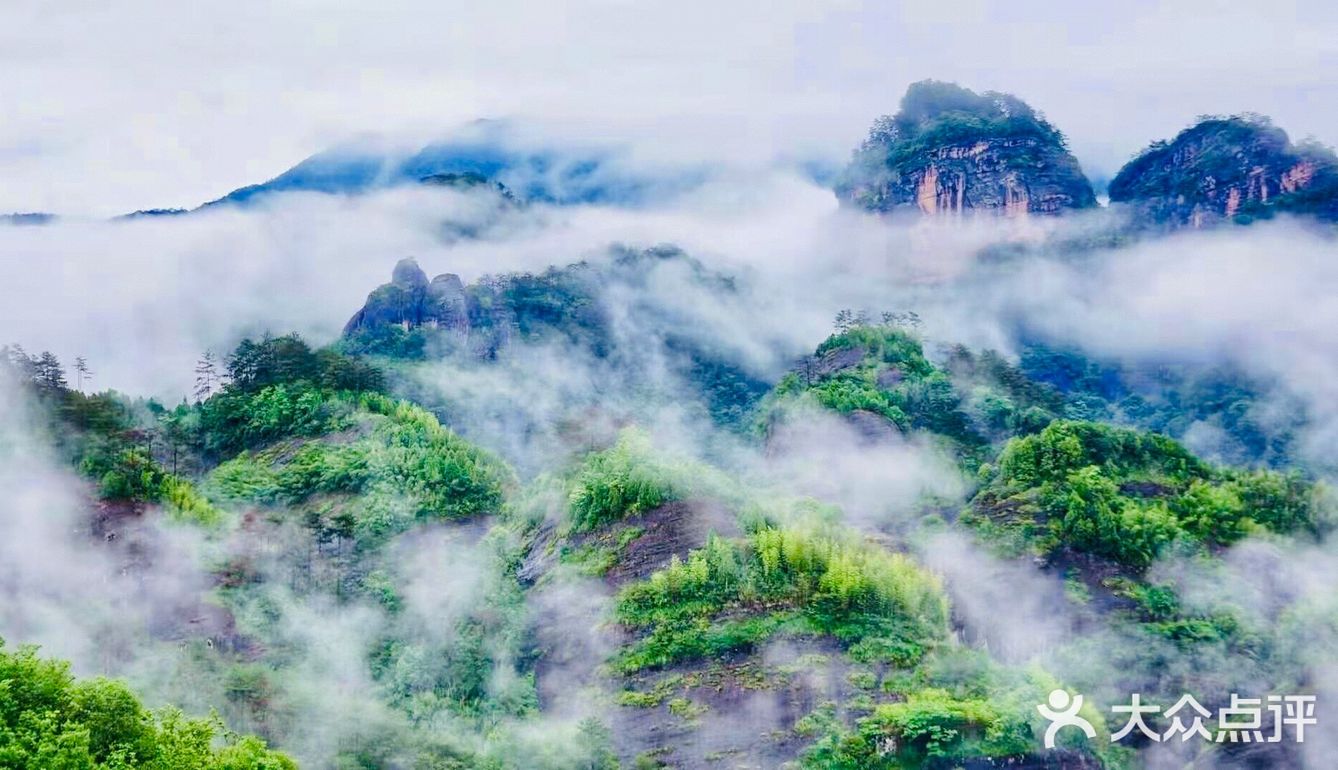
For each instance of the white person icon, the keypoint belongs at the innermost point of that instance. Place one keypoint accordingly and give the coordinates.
(1063, 712)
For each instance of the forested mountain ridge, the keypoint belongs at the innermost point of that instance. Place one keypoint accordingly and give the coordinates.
(584, 502)
(687, 607)
(1236, 168)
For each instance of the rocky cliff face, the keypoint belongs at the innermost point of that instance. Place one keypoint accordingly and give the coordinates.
(949, 150)
(410, 301)
(1228, 169)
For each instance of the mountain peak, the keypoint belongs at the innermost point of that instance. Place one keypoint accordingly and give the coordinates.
(407, 273)
(949, 149)
(1228, 168)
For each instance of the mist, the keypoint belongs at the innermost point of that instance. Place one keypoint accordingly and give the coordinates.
(152, 106)
(143, 298)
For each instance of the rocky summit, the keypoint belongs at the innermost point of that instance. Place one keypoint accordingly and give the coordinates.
(410, 301)
(950, 150)
(1228, 169)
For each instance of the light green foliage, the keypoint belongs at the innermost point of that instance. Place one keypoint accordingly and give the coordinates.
(932, 724)
(957, 705)
(183, 501)
(49, 720)
(1282, 502)
(624, 480)
(1091, 515)
(598, 555)
(686, 708)
(732, 594)
(131, 474)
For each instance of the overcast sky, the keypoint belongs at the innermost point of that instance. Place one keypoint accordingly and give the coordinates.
(109, 107)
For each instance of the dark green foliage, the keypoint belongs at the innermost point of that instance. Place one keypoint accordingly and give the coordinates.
(389, 340)
(42, 371)
(559, 300)
(253, 365)
(50, 720)
(730, 392)
(890, 376)
(1244, 158)
(1128, 495)
(575, 305)
(110, 439)
(934, 116)
(405, 465)
(277, 388)
(1067, 446)
(1257, 420)
(1001, 399)
(287, 359)
(1217, 142)
(125, 474)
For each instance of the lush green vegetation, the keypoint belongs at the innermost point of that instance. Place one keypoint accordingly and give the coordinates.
(401, 461)
(956, 707)
(1256, 421)
(732, 594)
(275, 388)
(882, 369)
(626, 479)
(110, 439)
(1000, 398)
(1129, 496)
(50, 720)
(327, 498)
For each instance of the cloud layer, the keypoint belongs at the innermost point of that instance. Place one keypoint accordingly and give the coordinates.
(149, 104)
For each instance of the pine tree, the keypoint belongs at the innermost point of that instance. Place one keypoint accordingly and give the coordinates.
(20, 363)
(206, 376)
(82, 372)
(844, 320)
(48, 372)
